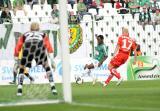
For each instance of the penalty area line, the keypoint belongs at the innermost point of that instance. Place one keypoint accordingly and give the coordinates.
(116, 107)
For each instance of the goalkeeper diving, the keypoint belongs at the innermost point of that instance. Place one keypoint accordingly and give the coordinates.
(36, 46)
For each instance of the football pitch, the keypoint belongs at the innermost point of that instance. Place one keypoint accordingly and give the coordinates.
(129, 96)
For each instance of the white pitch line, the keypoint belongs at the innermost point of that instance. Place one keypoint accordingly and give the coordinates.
(36, 102)
(117, 107)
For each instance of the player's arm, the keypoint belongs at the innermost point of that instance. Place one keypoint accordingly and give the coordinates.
(47, 44)
(49, 48)
(18, 46)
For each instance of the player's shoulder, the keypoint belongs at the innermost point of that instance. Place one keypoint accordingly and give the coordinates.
(29, 33)
(120, 37)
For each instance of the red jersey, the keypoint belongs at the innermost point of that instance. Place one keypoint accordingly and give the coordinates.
(33, 35)
(126, 44)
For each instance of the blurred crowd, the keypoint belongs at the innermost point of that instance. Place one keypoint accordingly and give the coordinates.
(148, 10)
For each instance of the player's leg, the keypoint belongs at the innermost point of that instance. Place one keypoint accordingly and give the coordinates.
(50, 78)
(26, 72)
(88, 67)
(107, 81)
(30, 77)
(20, 81)
(25, 61)
(48, 70)
(114, 72)
(113, 65)
(15, 72)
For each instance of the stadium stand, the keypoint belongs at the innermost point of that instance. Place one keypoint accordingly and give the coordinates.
(109, 26)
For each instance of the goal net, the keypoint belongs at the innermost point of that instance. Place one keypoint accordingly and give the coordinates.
(37, 80)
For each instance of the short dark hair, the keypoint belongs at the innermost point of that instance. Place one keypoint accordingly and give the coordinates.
(101, 37)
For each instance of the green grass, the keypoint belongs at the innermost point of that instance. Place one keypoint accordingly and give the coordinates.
(129, 96)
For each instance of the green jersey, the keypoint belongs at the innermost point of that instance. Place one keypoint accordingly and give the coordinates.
(100, 51)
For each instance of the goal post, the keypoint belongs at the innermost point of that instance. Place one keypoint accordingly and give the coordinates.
(38, 91)
(67, 92)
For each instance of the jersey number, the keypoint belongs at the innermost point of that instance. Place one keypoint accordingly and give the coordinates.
(126, 44)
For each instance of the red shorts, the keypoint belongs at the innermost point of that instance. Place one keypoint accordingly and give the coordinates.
(119, 59)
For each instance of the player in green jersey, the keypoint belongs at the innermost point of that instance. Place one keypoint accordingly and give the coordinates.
(101, 54)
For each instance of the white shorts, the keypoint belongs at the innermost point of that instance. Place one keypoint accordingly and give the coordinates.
(94, 62)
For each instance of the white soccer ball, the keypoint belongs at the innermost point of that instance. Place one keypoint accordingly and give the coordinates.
(79, 80)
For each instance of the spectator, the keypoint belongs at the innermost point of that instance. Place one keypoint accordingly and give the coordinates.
(87, 3)
(154, 6)
(144, 17)
(99, 3)
(55, 15)
(96, 4)
(156, 19)
(72, 2)
(143, 3)
(82, 9)
(32, 2)
(51, 2)
(126, 2)
(5, 16)
(42, 2)
(112, 2)
(18, 5)
(122, 2)
(118, 5)
(5, 3)
(134, 7)
(73, 19)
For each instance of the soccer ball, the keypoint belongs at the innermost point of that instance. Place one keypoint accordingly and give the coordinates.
(79, 80)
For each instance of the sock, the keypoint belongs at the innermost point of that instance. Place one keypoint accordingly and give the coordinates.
(20, 79)
(109, 79)
(115, 73)
(20, 83)
(14, 76)
(50, 77)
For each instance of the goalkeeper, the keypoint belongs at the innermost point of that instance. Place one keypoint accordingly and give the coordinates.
(16, 68)
(35, 45)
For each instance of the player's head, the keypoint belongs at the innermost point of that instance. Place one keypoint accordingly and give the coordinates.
(100, 39)
(34, 26)
(125, 31)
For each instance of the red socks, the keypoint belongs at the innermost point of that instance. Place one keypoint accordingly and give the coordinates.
(109, 79)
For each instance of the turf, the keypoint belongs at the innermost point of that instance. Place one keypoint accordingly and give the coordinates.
(129, 96)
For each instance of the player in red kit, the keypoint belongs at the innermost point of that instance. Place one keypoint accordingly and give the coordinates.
(124, 46)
